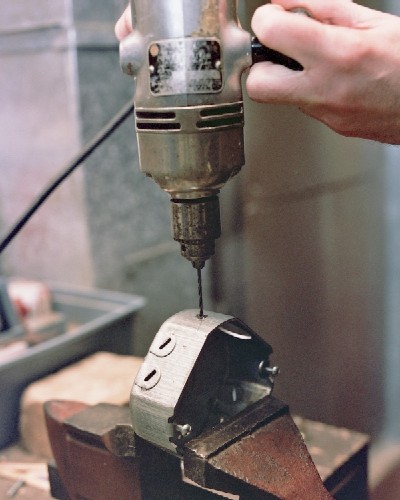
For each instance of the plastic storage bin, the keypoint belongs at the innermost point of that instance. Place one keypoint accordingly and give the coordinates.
(10, 326)
(104, 322)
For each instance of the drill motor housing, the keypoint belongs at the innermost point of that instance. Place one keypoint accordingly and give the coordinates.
(187, 57)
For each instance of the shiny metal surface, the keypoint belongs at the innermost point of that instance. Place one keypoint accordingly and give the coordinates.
(190, 124)
(198, 372)
(187, 58)
(196, 225)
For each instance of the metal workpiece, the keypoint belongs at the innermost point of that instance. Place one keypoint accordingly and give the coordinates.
(198, 373)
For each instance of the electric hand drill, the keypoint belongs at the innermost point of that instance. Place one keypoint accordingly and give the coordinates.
(187, 57)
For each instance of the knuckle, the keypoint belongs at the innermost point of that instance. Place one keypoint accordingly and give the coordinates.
(264, 23)
(350, 54)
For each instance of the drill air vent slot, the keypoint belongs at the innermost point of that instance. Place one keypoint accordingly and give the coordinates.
(221, 116)
(221, 110)
(155, 115)
(154, 120)
(157, 126)
(223, 121)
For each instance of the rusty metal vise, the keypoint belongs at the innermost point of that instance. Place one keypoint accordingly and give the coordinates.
(202, 424)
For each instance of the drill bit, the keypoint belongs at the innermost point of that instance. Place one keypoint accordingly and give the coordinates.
(200, 289)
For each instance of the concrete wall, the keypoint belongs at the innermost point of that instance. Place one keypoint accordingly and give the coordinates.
(40, 131)
(108, 225)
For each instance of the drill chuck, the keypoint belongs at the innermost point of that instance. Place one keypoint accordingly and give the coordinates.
(196, 225)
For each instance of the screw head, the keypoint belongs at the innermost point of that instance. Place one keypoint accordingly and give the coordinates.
(184, 429)
(266, 371)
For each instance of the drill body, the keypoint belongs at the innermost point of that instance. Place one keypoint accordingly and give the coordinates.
(187, 57)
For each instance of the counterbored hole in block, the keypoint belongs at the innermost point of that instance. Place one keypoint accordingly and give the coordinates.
(163, 344)
(150, 375)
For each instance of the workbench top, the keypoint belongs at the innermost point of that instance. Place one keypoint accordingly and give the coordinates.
(14, 460)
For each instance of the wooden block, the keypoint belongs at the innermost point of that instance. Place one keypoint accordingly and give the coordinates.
(100, 378)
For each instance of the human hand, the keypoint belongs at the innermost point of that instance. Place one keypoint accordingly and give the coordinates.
(351, 60)
(124, 24)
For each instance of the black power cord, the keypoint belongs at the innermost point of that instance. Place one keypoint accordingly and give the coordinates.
(98, 139)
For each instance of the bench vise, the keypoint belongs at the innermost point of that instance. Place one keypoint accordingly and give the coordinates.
(202, 424)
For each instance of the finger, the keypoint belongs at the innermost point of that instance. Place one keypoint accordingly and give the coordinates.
(294, 35)
(272, 83)
(337, 12)
(124, 24)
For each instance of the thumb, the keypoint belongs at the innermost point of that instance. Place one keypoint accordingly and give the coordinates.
(124, 24)
(275, 84)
